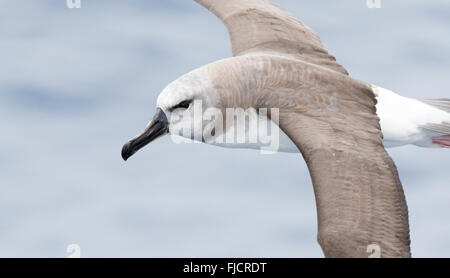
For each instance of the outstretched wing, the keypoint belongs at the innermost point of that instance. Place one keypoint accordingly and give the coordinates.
(332, 120)
(259, 26)
(359, 197)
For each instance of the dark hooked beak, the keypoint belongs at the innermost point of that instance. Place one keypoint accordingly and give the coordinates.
(157, 127)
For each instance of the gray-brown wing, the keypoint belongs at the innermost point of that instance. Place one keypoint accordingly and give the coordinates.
(332, 119)
(259, 26)
(359, 197)
(360, 201)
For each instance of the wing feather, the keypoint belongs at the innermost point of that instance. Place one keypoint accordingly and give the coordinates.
(259, 26)
(359, 196)
(332, 120)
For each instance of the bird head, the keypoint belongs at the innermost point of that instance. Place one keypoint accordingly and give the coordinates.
(181, 109)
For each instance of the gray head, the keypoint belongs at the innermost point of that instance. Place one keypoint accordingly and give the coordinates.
(180, 107)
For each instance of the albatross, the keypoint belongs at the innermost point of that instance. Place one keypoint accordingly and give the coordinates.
(340, 125)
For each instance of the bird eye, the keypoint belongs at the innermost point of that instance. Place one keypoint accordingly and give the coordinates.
(184, 104)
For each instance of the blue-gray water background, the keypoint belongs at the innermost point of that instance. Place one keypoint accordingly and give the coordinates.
(75, 84)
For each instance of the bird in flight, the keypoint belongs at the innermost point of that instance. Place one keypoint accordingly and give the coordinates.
(281, 72)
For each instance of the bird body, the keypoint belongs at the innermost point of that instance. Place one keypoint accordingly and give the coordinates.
(410, 121)
(403, 120)
(281, 73)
